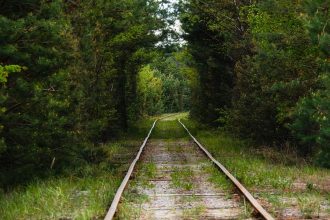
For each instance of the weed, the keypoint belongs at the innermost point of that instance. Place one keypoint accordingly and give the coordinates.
(194, 213)
(168, 130)
(82, 193)
(216, 177)
(268, 170)
(309, 205)
(146, 172)
(131, 205)
(74, 198)
(182, 178)
(310, 186)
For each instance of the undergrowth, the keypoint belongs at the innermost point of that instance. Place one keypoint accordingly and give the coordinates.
(62, 198)
(83, 192)
(289, 181)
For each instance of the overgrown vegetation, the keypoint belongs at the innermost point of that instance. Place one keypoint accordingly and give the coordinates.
(263, 70)
(131, 205)
(281, 180)
(80, 193)
(168, 130)
(76, 77)
(74, 197)
(164, 84)
(182, 178)
(77, 85)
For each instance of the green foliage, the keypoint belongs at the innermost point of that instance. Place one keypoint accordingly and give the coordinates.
(312, 114)
(281, 70)
(85, 71)
(4, 72)
(256, 60)
(312, 125)
(37, 124)
(149, 91)
(117, 40)
(173, 69)
(80, 82)
(164, 85)
(214, 32)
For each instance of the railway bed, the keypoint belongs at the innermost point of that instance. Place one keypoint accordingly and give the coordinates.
(170, 179)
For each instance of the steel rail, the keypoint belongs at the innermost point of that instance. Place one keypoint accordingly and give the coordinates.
(114, 204)
(241, 188)
(112, 210)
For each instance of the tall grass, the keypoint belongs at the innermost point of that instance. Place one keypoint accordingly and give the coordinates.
(269, 173)
(61, 198)
(81, 193)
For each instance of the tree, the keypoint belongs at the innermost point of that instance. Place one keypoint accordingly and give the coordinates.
(79, 86)
(214, 32)
(172, 70)
(150, 91)
(4, 72)
(36, 128)
(163, 85)
(281, 71)
(312, 114)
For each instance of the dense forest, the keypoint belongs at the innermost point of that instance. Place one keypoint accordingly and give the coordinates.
(263, 70)
(75, 74)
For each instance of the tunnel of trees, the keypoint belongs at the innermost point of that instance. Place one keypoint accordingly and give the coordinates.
(77, 73)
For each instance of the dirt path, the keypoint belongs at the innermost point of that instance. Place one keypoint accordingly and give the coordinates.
(173, 182)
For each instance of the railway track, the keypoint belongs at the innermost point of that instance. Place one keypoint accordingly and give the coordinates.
(180, 187)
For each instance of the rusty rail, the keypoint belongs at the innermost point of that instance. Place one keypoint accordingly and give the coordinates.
(239, 186)
(113, 208)
(116, 199)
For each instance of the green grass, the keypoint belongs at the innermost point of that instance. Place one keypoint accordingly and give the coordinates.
(139, 129)
(309, 204)
(193, 213)
(128, 211)
(130, 207)
(61, 198)
(175, 116)
(217, 178)
(81, 193)
(267, 170)
(168, 130)
(182, 178)
(146, 172)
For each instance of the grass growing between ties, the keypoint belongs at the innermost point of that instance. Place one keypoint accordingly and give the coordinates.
(182, 178)
(194, 213)
(281, 181)
(215, 177)
(147, 171)
(130, 207)
(169, 129)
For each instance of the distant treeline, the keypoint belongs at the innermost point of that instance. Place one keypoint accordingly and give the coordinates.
(164, 85)
(263, 70)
